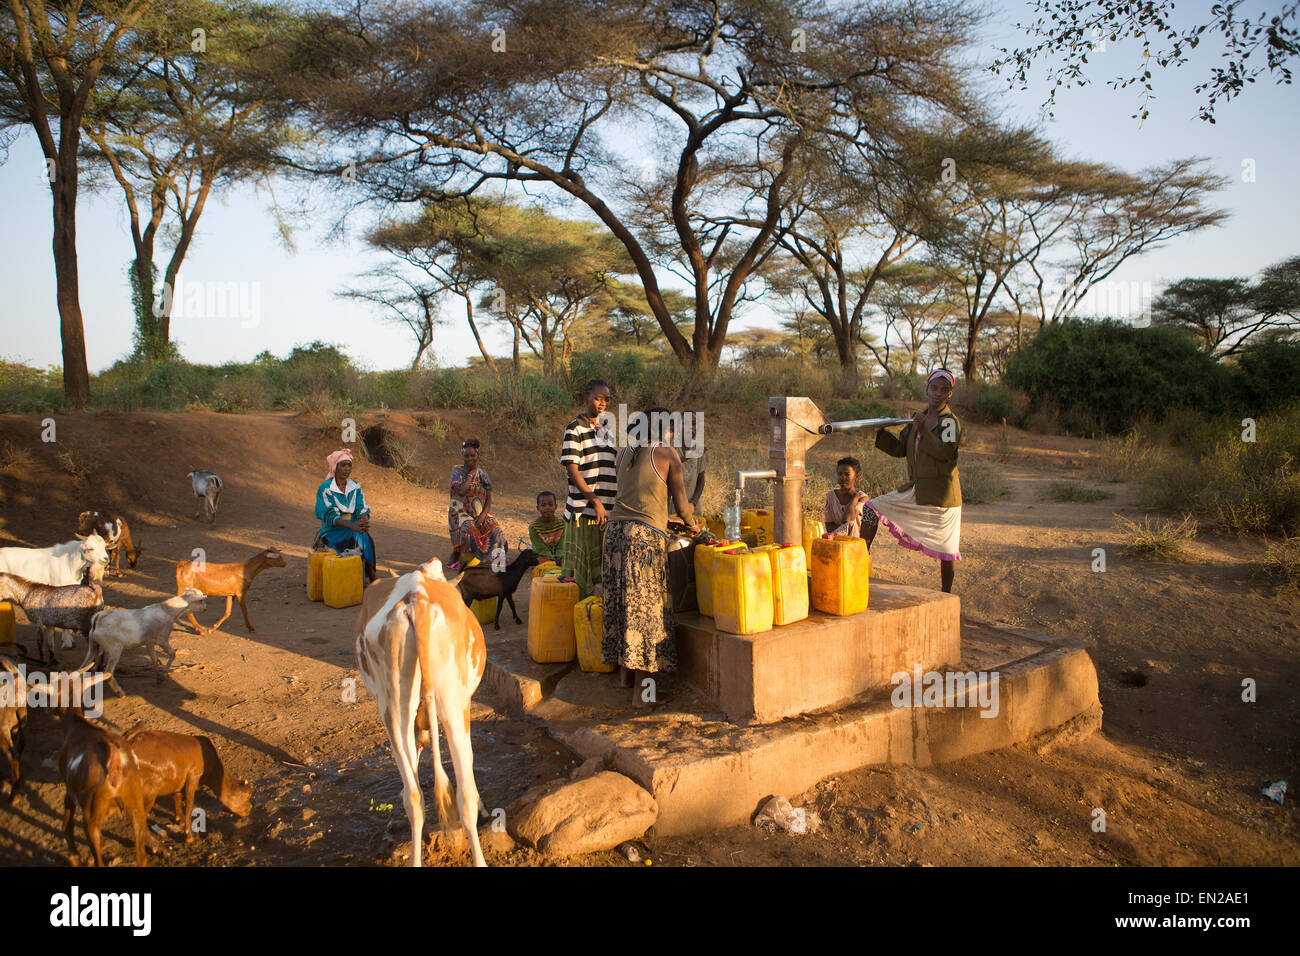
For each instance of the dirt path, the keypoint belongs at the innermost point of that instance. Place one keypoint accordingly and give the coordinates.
(1177, 767)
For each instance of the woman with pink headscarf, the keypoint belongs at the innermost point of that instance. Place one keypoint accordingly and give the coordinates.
(925, 513)
(342, 510)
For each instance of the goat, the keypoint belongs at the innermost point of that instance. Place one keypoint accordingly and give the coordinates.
(13, 720)
(69, 607)
(482, 582)
(207, 488)
(177, 764)
(421, 654)
(99, 771)
(117, 537)
(225, 580)
(115, 630)
(60, 564)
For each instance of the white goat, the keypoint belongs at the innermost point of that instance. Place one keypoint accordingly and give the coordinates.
(207, 488)
(115, 630)
(59, 565)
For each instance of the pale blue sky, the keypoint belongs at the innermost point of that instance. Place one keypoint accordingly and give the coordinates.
(237, 239)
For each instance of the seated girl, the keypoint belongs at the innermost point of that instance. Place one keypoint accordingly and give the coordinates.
(475, 533)
(844, 504)
(341, 508)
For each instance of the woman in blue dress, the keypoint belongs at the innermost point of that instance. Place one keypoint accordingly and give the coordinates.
(341, 507)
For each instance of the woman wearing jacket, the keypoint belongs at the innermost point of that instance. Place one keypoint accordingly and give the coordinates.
(925, 513)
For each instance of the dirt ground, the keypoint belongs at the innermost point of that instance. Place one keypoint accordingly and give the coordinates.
(1178, 765)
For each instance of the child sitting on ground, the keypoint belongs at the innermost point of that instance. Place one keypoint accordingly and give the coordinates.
(844, 504)
(546, 534)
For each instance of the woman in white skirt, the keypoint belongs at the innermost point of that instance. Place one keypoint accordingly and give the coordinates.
(925, 513)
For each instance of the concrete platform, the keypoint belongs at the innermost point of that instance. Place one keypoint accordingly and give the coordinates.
(823, 660)
(707, 772)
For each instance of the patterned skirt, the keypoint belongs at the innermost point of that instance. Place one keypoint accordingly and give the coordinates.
(637, 607)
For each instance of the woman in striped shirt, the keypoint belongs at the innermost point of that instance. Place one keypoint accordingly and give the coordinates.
(588, 458)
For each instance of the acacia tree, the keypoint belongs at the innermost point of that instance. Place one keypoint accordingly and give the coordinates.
(1070, 30)
(725, 98)
(1224, 314)
(915, 300)
(182, 113)
(52, 57)
(403, 300)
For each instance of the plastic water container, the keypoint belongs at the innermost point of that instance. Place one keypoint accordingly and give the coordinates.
(840, 568)
(8, 623)
(485, 609)
(589, 629)
(546, 567)
(717, 527)
(742, 591)
(550, 620)
(704, 574)
(316, 574)
(758, 523)
(343, 580)
(811, 531)
(789, 582)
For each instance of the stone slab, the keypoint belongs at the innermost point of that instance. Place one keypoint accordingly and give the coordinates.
(823, 660)
(516, 680)
(706, 773)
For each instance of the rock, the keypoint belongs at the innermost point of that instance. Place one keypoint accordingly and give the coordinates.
(589, 768)
(307, 814)
(567, 818)
(496, 841)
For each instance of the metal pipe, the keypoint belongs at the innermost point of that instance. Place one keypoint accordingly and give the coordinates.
(742, 475)
(856, 423)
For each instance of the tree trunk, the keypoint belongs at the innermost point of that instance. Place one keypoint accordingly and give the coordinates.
(76, 375)
(469, 315)
(188, 225)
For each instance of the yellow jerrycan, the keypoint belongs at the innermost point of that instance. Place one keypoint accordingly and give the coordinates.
(589, 629)
(485, 610)
(811, 530)
(789, 582)
(841, 566)
(742, 591)
(704, 555)
(550, 620)
(343, 580)
(8, 623)
(316, 574)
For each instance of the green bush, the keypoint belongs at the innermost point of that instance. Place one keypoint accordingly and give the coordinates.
(1236, 485)
(27, 389)
(1267, 375)
(1106, 376)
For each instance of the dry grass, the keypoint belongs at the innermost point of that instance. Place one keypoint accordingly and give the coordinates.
(1067, 491)
(1156, 537)
(75, 462)
(12, 453)
(1282, 560)
(981, 485)
(1126, 458)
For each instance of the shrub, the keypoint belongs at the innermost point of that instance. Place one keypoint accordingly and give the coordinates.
(12, 453)
(1065, 491)
(27, 389)
(1236, 485)
(1158, 537)
(981, 485)
(1268, 374)
(1282, 561)
(240, 394)
(1125, 458)
(1106, 375)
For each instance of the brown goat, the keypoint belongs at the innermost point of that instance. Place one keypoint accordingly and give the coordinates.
(481, 581)
(177, 764)
(225, 580)
(117, 537)
(13, 720)
(99, 773)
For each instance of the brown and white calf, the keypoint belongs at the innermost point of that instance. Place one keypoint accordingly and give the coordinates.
(421, 654)
(178, 764)
(225, 580)
(117, 536)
